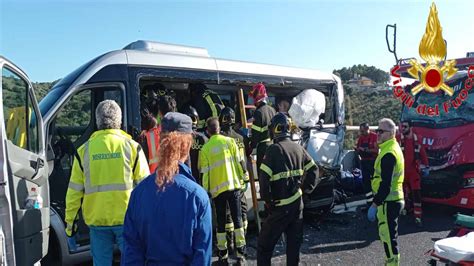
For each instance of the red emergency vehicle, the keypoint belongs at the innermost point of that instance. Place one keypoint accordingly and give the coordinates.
(447, 133)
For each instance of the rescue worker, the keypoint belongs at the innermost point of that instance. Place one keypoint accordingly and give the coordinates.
(207, 103)
(283, 106)
(262, 116)
(199, 139)
(227, 121)
(223, 170)
(166, 104)
(416, 164)
(151, 95)
(150, 139)
(387, 186)
(287, 172)
(103, 174)
(168, 220)
(367, 150)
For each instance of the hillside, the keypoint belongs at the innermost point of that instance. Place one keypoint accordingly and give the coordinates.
(368, 105)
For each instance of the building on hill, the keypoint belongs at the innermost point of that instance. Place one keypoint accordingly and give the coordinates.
(361, 81)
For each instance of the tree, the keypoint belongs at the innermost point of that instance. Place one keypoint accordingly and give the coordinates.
(375, 74)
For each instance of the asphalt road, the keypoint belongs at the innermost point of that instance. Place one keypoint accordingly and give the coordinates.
(350, 239)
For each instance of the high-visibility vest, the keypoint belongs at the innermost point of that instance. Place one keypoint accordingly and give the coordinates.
(153, 142)
(219, 162)
(103, 175)
(396, 187)
(16, 126)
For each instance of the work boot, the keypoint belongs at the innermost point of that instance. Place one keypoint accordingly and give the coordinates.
(394, 261)
(241, 254)
(230, 242)
(223, 258)
(241, 261)
(223, 262)
(418, 222)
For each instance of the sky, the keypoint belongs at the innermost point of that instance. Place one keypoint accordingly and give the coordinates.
(49, 39)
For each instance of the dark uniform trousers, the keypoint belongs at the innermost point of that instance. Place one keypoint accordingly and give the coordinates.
(229, 132)
(287, 172)
(229, 221)
(388, 226)
(231, 199)
(367, 167)
(228, 200)
(286, 219)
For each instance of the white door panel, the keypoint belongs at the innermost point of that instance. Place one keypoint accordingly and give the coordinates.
(27, 165)
(25, 168)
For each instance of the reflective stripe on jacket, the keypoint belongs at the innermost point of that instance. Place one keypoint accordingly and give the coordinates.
(239, 140)
(219, 162)
(396, 187)
(103, 174)
(210, 105)
(153, 143)
(262, 118)
(286, 172)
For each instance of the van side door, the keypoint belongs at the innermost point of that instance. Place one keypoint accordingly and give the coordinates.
(26, 165)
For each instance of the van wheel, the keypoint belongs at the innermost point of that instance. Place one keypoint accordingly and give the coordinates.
(53, 257)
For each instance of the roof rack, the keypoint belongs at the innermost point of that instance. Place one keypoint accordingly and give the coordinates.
(159, 47)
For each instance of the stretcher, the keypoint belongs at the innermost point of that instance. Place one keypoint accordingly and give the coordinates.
(458, 247)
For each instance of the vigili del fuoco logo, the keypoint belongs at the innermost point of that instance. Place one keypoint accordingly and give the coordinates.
(434, 74)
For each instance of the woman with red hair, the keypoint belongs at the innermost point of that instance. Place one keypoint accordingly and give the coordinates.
(168, 220)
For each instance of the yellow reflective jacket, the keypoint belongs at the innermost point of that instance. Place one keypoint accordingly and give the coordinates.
(103, 175)
(219, 162)
(396, 187)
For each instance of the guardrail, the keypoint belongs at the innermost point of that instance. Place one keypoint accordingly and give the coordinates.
(356, 128)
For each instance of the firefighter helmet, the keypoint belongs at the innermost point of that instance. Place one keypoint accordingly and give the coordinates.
(227, 117)
(280, 126)
(258, 93)
(191, 112)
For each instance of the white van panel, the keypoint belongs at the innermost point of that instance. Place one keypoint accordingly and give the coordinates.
(274, 70)
(170, 60)
(112, 58)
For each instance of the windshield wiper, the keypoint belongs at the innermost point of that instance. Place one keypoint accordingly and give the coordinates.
(423, 121)
(457, 119)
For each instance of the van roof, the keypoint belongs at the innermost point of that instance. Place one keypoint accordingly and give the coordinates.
(150, 53)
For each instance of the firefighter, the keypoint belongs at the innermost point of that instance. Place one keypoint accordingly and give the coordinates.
(261, 120)
(367, 150)
(103, 174)
(387, 186)
(227, 121)
(199, 139)
(287, 172)
(416, 164)
(168, 220)
(207, 103)
(151, 95)
(223, 170)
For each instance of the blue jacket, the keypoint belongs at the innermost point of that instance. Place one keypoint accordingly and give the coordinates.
(168, 227)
